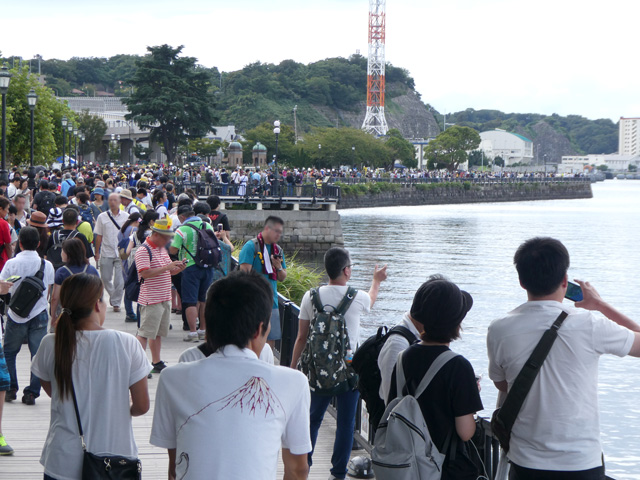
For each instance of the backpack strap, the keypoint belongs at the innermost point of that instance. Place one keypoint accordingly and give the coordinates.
(40, 273)
(346, 301)
(69, 270)
(404, 332)
(442, 359)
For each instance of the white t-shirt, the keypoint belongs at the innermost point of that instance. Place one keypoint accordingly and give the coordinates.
(558, 427)
(107, 363)
(389, 352)
(331, 295)
(245, 405)
(194, 354)
(25, 264)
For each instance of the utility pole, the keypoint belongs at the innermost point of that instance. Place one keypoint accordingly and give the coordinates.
(375, 121)
(295, 124)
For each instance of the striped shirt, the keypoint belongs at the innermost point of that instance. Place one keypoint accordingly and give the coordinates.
(155, 289)
(54, 220)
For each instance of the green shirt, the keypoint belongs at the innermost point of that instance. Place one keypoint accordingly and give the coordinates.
(186, 239)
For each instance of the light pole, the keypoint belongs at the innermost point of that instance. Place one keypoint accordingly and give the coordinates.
(5, 78)
(70, 130)
(276, 131)
(75, 145)
(64, 136)
(82, 139)
(32, 99)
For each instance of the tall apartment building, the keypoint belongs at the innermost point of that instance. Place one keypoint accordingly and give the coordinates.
(629, 137)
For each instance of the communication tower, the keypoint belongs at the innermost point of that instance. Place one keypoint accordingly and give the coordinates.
(374, 121)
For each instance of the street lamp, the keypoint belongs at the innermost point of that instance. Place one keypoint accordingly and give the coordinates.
(276, 131)
(32, 99)
(70, 130)
(75, 145)
(5, 78)
(64, 136)
(82, 139)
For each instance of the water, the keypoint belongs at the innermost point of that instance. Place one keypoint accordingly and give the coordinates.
(473, 245)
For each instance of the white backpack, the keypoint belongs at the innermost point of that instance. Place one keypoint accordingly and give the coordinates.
(403, 447)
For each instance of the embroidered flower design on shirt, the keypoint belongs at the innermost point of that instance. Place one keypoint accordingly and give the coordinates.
(253, 396)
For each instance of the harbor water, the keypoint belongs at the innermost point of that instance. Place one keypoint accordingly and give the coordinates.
(473, 245)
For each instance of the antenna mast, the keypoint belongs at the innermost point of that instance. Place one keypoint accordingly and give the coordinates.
(374, 121)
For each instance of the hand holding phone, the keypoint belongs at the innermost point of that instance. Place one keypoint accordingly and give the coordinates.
(13, 278)
(574, 292)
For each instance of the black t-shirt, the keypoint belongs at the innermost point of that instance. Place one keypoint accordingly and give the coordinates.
(452, 393)
(44, 200)
(63, 234)
(217, 217)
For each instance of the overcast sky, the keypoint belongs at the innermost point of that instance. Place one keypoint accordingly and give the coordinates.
(549, 56)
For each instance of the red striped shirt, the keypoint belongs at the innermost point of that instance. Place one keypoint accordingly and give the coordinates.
(155, 289)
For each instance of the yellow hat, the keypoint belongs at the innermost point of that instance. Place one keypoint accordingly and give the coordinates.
(163, 226)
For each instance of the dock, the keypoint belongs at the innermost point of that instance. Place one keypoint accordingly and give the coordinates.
(25, 427)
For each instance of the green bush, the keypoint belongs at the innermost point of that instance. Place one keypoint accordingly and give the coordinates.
(467, 185)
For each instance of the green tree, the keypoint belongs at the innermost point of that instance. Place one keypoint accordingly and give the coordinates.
(171, 98)
(263, 133)
(498, 161)
(141, 152)
(47, 120)
(401, 149)
(449, 149)
(94, 129)
(602, 168)
(476, 158)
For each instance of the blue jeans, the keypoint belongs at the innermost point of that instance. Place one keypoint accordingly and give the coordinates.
(34, 330)
(128, 307)
(347, 404)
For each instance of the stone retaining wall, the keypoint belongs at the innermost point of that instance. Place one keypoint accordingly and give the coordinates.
(310, 232)
(474, 193)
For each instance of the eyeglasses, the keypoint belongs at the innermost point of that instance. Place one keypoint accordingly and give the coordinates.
(350, 265)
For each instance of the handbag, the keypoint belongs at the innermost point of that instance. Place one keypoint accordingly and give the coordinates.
(107, 467)
(504, 417)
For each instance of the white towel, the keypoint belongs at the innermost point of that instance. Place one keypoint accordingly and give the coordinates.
(267, 260)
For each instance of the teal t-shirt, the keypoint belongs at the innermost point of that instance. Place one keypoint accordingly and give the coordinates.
(248, 255)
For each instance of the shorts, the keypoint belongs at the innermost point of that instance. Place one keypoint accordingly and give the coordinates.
(154, 320)
(5, 380)
(195, 283)
(276, 328)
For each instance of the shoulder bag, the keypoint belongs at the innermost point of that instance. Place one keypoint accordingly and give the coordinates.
(504, 417)
(111, 467)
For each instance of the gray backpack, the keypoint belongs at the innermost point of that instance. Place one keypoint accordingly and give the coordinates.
(403, 447)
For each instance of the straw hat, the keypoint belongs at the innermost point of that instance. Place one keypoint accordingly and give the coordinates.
(126, 193)
(163, 226)
(38, 219)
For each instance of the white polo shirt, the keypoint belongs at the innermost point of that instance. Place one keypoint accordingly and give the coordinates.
(558, 427)
(215, 410)
(26, 264)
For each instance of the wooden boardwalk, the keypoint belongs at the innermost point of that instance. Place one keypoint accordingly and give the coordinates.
(25, 427)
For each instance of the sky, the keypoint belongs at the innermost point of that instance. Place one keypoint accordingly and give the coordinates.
(548, 56)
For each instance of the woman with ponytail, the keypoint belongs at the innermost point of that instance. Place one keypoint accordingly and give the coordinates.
(106, 368)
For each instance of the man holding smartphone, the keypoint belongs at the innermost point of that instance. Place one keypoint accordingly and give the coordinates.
(265, 256)
(556, 434)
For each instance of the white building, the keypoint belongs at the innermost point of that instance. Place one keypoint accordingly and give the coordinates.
(511, 147)
(629, 136)
(614, 162)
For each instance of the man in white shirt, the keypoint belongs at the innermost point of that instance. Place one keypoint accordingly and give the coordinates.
(235, 403)
(557, 432)
(108, 224)
(338, 265)
(32, 327)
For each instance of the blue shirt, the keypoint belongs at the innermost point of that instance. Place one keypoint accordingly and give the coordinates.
(65, 272)
(248, 255)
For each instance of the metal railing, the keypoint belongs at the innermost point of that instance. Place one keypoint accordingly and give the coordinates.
(476, 180)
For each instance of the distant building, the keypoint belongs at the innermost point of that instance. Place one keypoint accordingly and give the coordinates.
(629, 136)
(511, 147)
(614, 162)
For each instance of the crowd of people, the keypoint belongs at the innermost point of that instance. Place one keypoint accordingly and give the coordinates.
(125, 233)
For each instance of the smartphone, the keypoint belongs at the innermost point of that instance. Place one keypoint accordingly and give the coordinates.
(574, 292)
(220, 227)
(13, 278)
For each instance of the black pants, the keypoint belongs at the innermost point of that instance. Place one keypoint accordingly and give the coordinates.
(521, 473)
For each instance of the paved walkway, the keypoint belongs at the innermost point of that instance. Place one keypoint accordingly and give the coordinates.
(25, 427)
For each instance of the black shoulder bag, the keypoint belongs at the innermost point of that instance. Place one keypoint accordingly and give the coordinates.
(111, 467)
(504, 417)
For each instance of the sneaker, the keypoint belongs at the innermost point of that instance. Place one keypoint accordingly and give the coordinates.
(158, 367)
(29, 399)
(150, 376)
(130, 318)
(116, 309)
(10, 396)
(201, 334)
(191, 337)
(4, 448)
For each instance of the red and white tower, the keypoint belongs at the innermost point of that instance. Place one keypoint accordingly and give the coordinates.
(374, 121)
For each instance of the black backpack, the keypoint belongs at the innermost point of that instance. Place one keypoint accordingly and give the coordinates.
(48, 202)
(28, 293)
(207, 252)
(54, 254)
(132, 283)
(365, 364)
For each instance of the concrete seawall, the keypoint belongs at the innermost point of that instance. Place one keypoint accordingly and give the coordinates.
(438, 194)
(310, 232)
